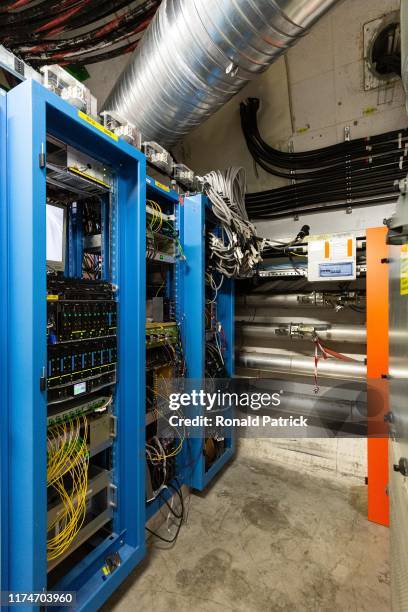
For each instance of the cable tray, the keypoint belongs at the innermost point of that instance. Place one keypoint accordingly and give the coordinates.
(64, 179)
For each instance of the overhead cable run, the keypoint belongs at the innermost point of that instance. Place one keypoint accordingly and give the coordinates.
(358, 172)
(40, 32)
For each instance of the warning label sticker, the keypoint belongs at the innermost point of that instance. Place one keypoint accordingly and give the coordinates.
(404, 270)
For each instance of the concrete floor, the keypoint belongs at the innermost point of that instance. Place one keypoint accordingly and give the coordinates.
(267, 538)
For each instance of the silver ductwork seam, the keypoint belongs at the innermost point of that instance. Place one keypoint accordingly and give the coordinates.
(197, 54)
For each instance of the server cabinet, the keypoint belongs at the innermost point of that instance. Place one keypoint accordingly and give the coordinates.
(97, 567)
(164, 259)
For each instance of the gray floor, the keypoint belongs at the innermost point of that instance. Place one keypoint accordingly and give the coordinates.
(266, 538)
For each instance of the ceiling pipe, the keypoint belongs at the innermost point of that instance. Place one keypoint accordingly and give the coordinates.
(197, 54)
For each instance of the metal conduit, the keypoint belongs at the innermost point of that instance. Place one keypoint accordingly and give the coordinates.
(278, 301)
(334, 332)
(292, 300)
(302, 365)
(197, 54)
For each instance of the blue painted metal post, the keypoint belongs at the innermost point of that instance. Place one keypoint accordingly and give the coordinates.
(105, 234)
(194, 286)
(73, 265)
(26, 139)
(194, 326)
(193, 302)
(225, 315)
(3, 353)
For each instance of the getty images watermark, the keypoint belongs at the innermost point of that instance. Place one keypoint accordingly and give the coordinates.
(221, 403)
(265, 408)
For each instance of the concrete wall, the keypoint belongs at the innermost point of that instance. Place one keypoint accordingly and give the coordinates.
(308, 97)
(341, 458)
(104, 75)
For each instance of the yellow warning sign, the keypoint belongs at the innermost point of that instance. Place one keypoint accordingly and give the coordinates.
(161, 186)
(404, 270)
(97, 125)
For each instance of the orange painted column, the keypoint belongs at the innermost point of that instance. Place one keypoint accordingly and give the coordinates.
(377, 369)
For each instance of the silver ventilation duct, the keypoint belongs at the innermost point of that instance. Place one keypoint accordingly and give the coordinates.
(196, 54)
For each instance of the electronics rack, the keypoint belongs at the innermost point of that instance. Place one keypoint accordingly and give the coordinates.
(165, 263)
(69, 359)
(198, 219)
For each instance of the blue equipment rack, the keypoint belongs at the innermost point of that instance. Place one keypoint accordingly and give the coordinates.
(162, 193)
(32, 112)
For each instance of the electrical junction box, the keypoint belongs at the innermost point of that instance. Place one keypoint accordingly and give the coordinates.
(61, 82)
(16, 67)
(331, 257)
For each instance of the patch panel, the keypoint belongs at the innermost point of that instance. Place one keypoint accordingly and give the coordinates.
(79, 407)
(105, 377)
(69, 363)
(73, 289)
(71, 321)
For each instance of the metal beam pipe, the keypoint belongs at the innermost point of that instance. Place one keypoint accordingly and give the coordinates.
(298, 364)
(275, 331)
(278, 301)
(314, 299)
(197, 54)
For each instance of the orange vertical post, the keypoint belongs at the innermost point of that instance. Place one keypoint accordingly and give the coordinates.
(377, 369)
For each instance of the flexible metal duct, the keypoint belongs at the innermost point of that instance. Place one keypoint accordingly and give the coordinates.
(196, 54)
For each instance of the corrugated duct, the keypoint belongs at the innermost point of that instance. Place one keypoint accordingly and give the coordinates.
(197, 54)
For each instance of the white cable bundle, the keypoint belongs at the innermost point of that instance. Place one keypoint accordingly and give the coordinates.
(237, 251)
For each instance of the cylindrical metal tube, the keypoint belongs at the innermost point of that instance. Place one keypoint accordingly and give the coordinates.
(302, 365)
(324, 408)
(197, 54)
(335, 332)
(315, 299)
(278, 301)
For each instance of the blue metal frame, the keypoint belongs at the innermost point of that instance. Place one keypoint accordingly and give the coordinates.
(154, 190)
(73, 263)
(158, 189)
(3, 352)
(194, 325)
(32, 111)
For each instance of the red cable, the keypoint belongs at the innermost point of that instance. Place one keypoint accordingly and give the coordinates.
(62, 18)
(18, 4)
(325, 353)
(142, 26)
(99, 57)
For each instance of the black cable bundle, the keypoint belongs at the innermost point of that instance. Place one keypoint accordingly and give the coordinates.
(29, 31)
(357, 172)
